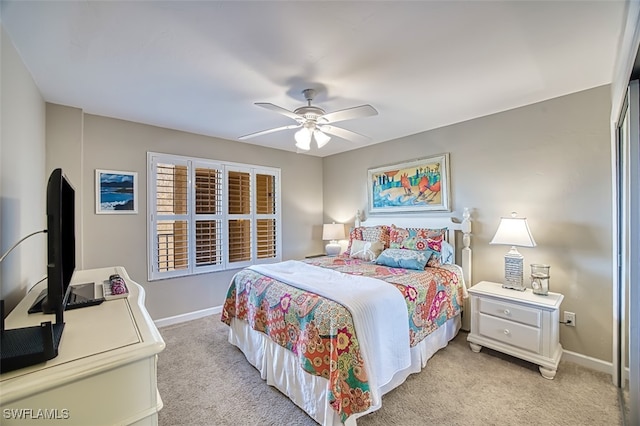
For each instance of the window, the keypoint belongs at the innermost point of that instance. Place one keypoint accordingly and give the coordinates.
(207, 215)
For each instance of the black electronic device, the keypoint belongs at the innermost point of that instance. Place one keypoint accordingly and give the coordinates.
(82, 296)
(22, 347)
(77, 296)
(61, 242)
(26, 346)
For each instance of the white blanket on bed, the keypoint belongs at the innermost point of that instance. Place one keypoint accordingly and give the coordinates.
(379, 314)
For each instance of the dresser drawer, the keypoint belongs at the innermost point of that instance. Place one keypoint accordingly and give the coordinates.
(512, 333)
(510, 311)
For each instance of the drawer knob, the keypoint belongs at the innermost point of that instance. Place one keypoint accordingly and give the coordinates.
(507, 332)
(507, 312)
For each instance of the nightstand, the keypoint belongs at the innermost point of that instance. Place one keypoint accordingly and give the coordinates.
(518, 323)
(312, 256)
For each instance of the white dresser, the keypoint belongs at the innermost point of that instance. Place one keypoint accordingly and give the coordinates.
(518, 323)
(105, 371)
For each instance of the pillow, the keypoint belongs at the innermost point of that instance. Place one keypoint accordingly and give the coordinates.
(403, 258)
(416, 238)
(446, 254)
(369, 233)
(376, 233)
(434, 260)
(354, 234)
(366, 250)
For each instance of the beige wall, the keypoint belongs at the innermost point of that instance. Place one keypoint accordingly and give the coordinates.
(64, 149)
(549, 162)
(22, 176)
(121, 239)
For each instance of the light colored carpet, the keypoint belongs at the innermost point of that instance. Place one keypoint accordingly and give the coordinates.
(204, 380)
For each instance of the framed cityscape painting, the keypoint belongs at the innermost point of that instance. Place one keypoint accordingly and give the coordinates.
(116, 192)
(417, 185)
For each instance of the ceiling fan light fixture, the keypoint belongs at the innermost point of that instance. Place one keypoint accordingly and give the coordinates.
(315, 123)
(303, 139)
(321, 138)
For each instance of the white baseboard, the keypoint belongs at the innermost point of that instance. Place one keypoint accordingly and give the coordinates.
(163, 322)
(588, 362)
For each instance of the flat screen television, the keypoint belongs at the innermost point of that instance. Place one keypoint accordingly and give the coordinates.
(61, 242)
(21, 347)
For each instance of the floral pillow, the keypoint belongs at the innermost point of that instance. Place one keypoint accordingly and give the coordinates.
(435, 260)
(366, 250)
(418, 239)
(403, 258)
(370, 234)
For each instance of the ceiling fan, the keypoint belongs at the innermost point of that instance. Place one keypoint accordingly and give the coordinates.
(315, 123)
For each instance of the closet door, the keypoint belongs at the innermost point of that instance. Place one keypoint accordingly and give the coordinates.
(628, 219)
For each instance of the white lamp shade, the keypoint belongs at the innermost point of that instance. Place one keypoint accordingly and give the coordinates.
(321, 138)
(513, 231)
(333, 231)
(303, 139)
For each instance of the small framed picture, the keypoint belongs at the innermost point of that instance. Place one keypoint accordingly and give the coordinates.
(116, 192)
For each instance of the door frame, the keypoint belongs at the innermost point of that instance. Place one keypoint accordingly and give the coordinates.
(626, 249)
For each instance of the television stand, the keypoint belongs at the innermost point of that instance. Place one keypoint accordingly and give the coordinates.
(109, 349)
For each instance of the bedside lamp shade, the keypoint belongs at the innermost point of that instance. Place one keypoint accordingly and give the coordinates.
(513, 231)
(333, 232)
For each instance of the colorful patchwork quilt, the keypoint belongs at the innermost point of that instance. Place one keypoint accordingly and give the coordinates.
(321, 332)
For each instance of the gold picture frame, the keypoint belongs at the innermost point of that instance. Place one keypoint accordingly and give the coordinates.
(416, 185)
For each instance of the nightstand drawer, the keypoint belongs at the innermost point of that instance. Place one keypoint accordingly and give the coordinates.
(511, 312)
(512, 333)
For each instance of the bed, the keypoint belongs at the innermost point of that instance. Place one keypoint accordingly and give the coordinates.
(334, 334)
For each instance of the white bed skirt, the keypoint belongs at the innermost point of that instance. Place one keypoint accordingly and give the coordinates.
(280, 368)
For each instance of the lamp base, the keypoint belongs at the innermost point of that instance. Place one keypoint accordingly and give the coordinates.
(513, 287)
(513, 270)
(333, 248)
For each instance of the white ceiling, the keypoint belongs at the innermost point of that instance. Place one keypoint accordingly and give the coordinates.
(200, 66)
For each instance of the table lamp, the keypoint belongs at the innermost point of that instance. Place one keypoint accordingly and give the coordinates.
(333, 232)
(513, 231)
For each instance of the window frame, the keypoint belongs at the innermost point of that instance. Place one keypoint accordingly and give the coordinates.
(191, 163)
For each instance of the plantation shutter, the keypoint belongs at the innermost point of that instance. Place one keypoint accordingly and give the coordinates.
(170, 222)
(239, 216)
(208, 217)
(266, 215)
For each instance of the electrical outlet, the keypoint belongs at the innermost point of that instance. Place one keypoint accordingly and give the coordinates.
(569, 318)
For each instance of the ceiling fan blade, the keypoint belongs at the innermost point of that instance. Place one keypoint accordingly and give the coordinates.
(266, 132)
(280, 110)
(348, 114)
(344, 134)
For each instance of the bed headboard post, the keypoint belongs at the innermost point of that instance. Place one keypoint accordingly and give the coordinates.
(466, 245)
